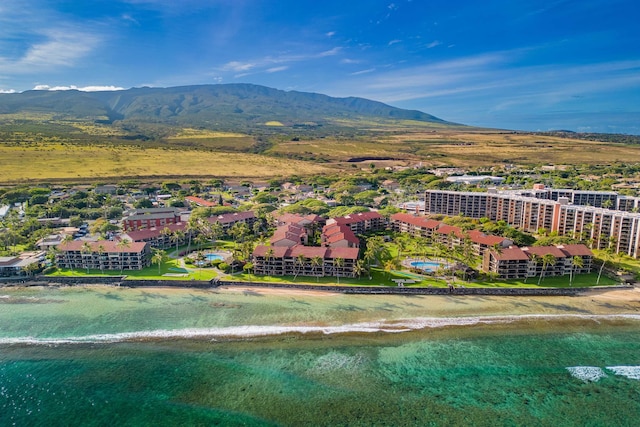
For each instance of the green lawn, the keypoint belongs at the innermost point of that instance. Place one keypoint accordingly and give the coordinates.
(150, 273)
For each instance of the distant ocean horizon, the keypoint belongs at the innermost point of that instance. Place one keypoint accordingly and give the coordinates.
(119, 356)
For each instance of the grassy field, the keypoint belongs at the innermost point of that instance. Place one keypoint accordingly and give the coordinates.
(51, 161)
(90, 151)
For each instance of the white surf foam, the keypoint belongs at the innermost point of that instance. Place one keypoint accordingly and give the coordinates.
(587, 373)
(249, 331)
(631, 372)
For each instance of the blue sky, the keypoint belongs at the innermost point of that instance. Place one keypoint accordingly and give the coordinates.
(530, 65)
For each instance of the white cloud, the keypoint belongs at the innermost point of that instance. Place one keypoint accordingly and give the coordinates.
(7, 91)
(238, 66)
(330, 34)
(331, 52)
(392, 42)
(276, 69)
(357, 73)
(81, 89)
(434, 44)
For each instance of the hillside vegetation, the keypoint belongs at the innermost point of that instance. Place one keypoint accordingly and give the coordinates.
(253, 131)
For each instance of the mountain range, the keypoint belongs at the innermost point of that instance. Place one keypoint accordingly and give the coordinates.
(229, 107)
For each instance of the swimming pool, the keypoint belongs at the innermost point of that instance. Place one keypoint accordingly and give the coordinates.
(213, 257)
(429, 266)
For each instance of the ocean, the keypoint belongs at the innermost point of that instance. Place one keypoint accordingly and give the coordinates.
(98, 356)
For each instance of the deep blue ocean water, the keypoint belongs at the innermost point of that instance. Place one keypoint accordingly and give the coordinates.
(104, 356)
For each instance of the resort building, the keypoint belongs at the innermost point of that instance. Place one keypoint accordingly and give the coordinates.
(361, 222)
(103, 255)
(159, 237)
(230, 219)
(415, 225)
(20, 265)
(142, 219)
(339, 236)
(289, 235)
(304, 261)
(605, 228)
(521, 263)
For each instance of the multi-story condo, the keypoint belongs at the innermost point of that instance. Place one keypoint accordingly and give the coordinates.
(142, 219)
(230, 219)
(103, 255)
(305, 261)
(605, 228)
(521, 263)
(361, 222)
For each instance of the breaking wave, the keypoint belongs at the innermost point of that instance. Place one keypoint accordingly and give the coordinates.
(587, 373)
(631, 372)
(251, 331)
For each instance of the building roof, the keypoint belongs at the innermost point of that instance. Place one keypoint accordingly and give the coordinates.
(418, 221)
(357, 217)
(576, 250)
(200, 201)
(485, 239)
(337, 232)
(109, 246)
(544, 250)
(344, 253)
(511, 253)
(307, 251)
(154, 232)
(231, 217)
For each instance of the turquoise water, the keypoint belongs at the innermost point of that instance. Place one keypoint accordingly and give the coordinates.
(108, 356)
(213, 257)
(430, 266)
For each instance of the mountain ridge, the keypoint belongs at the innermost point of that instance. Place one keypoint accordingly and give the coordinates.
(222, 105)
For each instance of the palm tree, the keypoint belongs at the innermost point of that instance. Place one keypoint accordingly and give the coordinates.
(159, 256)
(338, 263)
(165, 232)
(535, 260)
(606, 255)
(577, 263)
(191, 227)
(389, 266)
(176, 237)
(101, 250)
(299, 261)
(268, 257)
(66, 240)
(122, 245)
(359, 268)
(85, 250)
(316, 262)
(547, 260)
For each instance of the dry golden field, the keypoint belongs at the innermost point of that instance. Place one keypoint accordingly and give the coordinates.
(56, 162)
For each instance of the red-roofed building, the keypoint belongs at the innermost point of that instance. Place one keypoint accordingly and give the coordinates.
(228, 220)
(304, 261)
(336, 235)
(361, 222)
(150, 218)
(508, 263)
(289, 235)
(198, 201)
(415, 225)
(103, 255)
(580, 251)
(537, 253)
(159, 237)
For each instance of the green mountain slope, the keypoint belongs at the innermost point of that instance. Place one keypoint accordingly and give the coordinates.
(239, 107)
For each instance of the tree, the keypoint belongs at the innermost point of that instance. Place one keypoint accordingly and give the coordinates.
(159, 257)
(268, 257)
(66, 241)
(165, 233)
(547, 260)
(176, 237)
(338, 263)
(577, 263)
(359, 268)
(101, 250)
(122, 245)
(389, 266)
(316, 262)
(85, 250)
(299, 261)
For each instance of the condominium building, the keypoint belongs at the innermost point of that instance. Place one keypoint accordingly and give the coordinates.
(619, 230)
(103, 255)
(305, 261)
(361, 222)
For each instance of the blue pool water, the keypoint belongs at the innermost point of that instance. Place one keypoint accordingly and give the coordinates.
(213, 257)
(430, 266)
